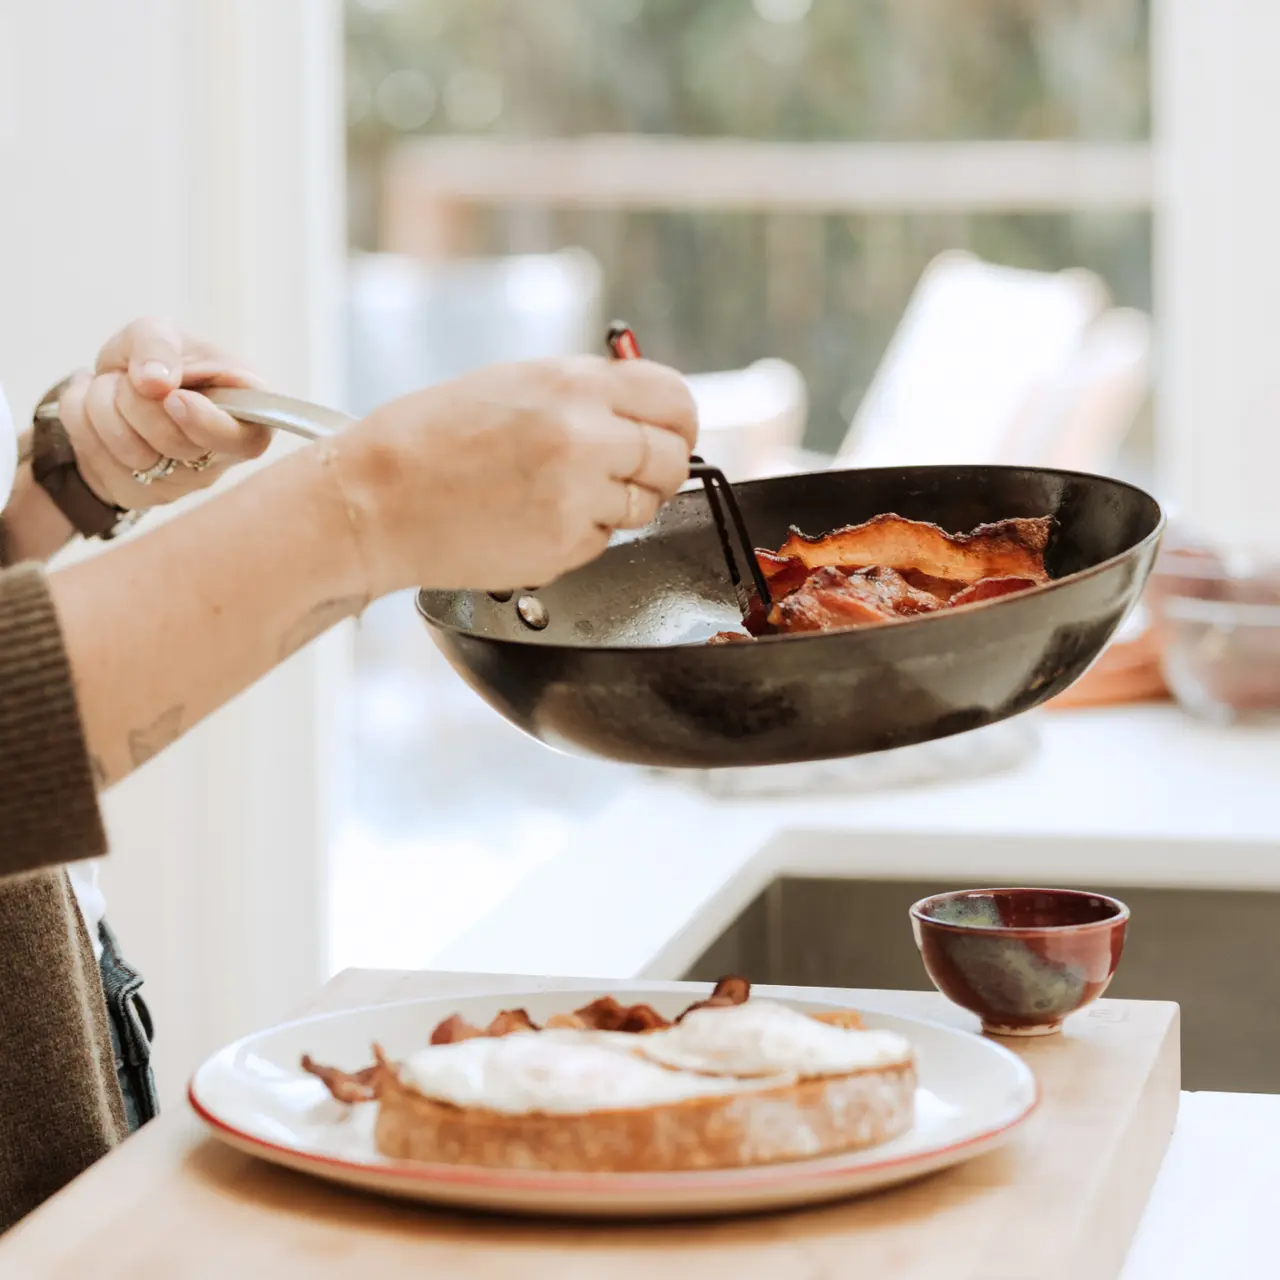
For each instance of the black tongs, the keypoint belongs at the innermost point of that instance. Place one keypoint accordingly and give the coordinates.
(623, 346)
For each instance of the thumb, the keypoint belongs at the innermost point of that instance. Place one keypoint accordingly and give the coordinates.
(150, 352)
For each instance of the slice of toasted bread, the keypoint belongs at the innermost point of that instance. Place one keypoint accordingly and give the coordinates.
(797, 1119)
(791, 1122)
(738, 1087)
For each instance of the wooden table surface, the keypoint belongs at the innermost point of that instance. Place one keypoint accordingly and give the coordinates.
(1061, 1200)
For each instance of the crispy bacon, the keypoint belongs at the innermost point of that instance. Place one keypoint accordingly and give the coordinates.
(456, 1028)
(889, 568)
(990, 589)
(348, 1086)
(1005, 549)
(783, 573)
(510, 1020)
(831, 598)
(604, 1014)
(728, 991)
(941, 589)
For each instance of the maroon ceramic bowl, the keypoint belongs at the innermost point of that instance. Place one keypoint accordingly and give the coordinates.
(1021, 959)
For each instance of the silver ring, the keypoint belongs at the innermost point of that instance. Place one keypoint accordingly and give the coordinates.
(159, 470)
(200, 463)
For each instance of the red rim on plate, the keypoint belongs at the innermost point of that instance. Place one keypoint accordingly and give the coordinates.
(782, 1172)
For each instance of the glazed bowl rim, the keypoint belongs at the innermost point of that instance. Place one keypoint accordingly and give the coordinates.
(919, 913)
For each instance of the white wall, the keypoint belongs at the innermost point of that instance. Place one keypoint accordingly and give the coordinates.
(185, 159)
(1217, 255)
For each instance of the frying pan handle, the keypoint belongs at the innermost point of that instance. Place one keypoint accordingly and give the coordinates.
(310, 421)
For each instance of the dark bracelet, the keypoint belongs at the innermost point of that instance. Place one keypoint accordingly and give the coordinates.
(55, 470)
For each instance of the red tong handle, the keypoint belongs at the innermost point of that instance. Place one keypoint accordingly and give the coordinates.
(622, 342)
(623, 346)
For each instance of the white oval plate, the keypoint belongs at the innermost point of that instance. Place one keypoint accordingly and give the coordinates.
(253, 1095)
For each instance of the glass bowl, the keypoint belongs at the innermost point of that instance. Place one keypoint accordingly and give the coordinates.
(1219, 623)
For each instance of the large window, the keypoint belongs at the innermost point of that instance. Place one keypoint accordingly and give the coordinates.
(751, 178)
(861, 130)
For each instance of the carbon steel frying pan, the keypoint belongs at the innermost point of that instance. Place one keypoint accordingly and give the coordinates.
(619, 669)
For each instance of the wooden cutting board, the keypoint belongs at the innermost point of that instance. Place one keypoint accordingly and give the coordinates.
(1060, 1202)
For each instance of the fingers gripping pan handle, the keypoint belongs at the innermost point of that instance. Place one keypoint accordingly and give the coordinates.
(310, 421)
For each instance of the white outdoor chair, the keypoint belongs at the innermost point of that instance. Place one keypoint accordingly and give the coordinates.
(989, 365)
(994, 364)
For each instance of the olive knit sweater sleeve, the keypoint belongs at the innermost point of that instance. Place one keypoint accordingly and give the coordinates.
(60, 1104)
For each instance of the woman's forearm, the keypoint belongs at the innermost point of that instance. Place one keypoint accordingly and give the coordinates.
(167, 627)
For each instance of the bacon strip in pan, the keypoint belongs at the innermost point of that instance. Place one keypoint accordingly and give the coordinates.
(991, 589)
(831, 598)
(1005, 549)
(889, 568)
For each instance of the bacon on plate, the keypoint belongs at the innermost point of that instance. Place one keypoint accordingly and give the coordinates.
(603, 1014)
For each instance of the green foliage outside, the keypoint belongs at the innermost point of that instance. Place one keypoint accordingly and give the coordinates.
(709, 290)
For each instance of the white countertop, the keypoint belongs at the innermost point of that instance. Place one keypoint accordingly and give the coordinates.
(1134, 796)
(1211, 1211)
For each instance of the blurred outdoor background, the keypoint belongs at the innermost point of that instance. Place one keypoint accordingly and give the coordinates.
(715, 290)
(871, 232)
(744, 181)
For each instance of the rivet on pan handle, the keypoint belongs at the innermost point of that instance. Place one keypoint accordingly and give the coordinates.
(623, 346)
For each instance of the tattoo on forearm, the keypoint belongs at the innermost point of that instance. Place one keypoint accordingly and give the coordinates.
(317, 621)
(164, 730)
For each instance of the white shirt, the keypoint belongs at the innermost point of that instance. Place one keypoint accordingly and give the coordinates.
(84, 875)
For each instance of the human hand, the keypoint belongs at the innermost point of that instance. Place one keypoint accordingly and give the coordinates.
(139, 410)
(514, 474)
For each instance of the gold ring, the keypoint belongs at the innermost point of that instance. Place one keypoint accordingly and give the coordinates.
(200, 463)
(645, 449)
(158, 470)
(633, 494)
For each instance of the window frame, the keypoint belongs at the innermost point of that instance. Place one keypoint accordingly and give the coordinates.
(218, 875)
